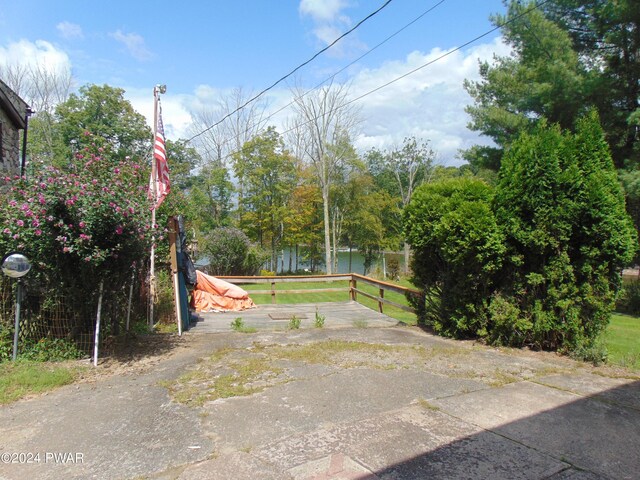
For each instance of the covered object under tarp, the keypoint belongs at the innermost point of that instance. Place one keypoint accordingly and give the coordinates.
(212, 294)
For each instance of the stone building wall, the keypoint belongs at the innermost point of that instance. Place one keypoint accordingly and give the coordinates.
(12, 119)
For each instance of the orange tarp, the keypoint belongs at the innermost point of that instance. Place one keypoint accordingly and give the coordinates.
(212, 294)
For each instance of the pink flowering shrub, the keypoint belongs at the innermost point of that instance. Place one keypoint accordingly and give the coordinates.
(91, 221)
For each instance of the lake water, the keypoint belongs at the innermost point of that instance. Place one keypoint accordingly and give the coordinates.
(357, 262)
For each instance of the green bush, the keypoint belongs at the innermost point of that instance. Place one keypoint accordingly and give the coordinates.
(50, 350)
(6, 344)
(231, 253)
(458, 247)
(569, 236)
(629, 298)
(537, 261)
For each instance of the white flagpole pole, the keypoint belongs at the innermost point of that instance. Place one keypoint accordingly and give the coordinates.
(154, 199)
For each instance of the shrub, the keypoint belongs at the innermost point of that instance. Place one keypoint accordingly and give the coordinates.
(230, 253)
(72, 224)
(568, 233)
(458, 247)
(6, 344)
(50, 350)
(629, 298)
(227, 249)
(393, 269)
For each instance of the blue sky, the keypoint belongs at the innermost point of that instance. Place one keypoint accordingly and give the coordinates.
(201, 49)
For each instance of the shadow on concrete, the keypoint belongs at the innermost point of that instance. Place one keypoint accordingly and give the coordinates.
(569, 437)
(135, 347)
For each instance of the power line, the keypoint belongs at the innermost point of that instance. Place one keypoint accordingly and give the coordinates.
(331, 77)
(424, 65)
(292, 71)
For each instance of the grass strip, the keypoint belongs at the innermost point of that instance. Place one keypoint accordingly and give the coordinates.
(22, 378)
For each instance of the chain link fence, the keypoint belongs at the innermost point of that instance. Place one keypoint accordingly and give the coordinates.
(48, 313)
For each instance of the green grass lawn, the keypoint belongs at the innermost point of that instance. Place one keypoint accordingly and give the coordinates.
(622, 340)
(22, 378)
(321, 297)
(622, 337)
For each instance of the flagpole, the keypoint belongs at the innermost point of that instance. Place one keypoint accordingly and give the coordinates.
(157, 90)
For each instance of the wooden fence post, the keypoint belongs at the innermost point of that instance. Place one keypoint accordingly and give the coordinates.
(273, 292)
(381, 290)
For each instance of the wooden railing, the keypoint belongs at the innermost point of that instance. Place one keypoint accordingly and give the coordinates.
(352, 289)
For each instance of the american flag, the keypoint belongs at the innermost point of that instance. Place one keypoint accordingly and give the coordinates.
(160, 157)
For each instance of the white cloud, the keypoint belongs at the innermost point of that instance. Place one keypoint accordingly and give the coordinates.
(175, 116)
(39, 53)
(322, 10)
(70, 30)
(134, 44)
(428, 104)
(330, 23)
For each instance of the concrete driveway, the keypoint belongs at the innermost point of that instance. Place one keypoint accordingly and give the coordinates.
(333, 403)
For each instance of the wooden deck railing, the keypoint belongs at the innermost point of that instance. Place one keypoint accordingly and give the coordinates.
(352, 289)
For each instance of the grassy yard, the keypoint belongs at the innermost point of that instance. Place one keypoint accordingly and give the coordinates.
(320, 297)
(622, 340)
(22, 378)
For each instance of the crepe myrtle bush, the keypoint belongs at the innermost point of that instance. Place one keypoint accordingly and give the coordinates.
(88, 221)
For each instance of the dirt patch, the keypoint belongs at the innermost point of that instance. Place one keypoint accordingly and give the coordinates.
(131, 355)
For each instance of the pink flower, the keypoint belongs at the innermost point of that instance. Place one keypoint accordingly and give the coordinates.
(20, 223)
(82, 225)
(66, 249)
(119, 230)
(116, 171)
(13, 203)
(38, 232)
(6, 231)
(35, 223)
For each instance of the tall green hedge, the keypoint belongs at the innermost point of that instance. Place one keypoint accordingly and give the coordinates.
(535, 262)
(457, 249)
(569, 236)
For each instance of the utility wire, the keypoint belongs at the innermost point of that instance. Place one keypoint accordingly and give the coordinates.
(334, 75)
(460, 47)
(424, 65)
(331, 77)
(292, 71)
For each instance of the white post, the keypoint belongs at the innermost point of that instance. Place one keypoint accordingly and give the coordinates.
(96, 339)
(133, 277)
(16, 332)
(176, 294)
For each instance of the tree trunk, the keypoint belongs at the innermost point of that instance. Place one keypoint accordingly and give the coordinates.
(407, 253)
(334, 251)
(327, 229)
